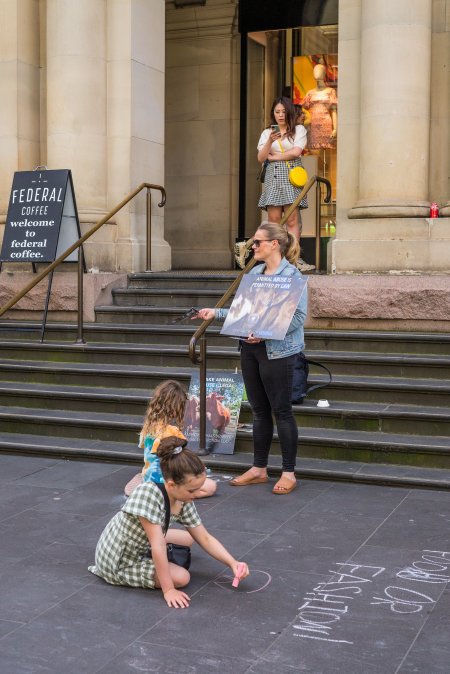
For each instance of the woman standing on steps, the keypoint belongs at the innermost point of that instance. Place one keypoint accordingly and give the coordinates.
(280, 147)
(267, 365)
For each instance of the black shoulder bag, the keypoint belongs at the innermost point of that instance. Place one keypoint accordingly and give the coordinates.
(300, 388)
(177, 554)
(262, 174)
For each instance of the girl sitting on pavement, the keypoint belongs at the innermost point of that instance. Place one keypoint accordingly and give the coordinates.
(164, 418)
(122, 554)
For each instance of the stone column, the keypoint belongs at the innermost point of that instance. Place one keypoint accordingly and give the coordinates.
(395, 109)
(135, 114)
(202, 138)
(440, 97)
(76, 98)
(19, 74)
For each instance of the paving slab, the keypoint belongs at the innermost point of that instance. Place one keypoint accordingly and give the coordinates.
(15, 467)
(145, 657)
(344, 577)
(68, 474)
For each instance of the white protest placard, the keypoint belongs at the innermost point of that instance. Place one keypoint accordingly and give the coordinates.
(264, 306)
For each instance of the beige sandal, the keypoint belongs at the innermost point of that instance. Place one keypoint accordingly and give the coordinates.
(284, 486)
(244, 481)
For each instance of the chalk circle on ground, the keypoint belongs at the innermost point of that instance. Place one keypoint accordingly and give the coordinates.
(256, 581)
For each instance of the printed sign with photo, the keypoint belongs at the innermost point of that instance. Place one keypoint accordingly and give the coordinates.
(264, 306)
(224, 392)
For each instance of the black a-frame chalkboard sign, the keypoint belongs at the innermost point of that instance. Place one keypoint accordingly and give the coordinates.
(42, 220)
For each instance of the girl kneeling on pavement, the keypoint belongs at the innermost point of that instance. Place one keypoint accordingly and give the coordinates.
(122, 555)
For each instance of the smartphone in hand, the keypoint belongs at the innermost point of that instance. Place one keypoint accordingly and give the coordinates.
(275, 128)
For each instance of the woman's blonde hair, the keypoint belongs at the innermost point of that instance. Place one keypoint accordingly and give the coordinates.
(166, 406)
(289, 245)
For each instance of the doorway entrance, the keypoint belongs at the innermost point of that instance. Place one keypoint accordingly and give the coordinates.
(293, 55)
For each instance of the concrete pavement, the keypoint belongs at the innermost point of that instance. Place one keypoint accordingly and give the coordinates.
(348, 578)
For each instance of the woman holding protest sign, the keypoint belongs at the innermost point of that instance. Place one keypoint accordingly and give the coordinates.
(267, 365)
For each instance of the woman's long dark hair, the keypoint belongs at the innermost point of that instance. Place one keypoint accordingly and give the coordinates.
(177, 462)
(290, 113)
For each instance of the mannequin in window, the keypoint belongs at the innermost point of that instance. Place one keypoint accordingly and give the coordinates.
(322, 105)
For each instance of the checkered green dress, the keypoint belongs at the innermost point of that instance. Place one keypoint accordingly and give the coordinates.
(119, 555)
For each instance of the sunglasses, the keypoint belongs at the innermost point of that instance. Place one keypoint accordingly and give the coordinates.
(258, 242)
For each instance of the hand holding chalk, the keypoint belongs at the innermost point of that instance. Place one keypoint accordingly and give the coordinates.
(240, 573)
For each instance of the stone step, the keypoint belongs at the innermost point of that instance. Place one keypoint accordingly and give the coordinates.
(340, 363)
(373, 417)
(365, 446)
(81, 374)
(160, 315)
(376, 342)
(387, 390)
(101, 426)
(379, 341)
(75, 398)
(102, 353)
(340, 415)
(321, 469)
(160, 297)
(335, 444)
(383, 365)
(177, 279)
(171, 333)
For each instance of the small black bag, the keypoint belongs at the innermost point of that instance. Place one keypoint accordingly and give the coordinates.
(262, 173)
(300, 388)
(177, 554)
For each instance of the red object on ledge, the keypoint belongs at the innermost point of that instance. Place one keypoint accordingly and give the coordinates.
(434, 210)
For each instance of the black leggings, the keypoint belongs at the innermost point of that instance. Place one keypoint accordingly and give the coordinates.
(269, 388)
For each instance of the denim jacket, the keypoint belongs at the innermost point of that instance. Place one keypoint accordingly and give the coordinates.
(294, 341)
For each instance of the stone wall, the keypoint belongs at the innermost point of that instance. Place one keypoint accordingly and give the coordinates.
(202, 139)
(394, 82)
(85, 83)
(380, 302)
(63, 305)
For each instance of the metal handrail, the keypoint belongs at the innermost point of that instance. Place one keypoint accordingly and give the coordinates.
(199, 334)
(81, 240)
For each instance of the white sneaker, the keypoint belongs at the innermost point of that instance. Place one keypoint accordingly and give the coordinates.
(241, 253)
(304, 266)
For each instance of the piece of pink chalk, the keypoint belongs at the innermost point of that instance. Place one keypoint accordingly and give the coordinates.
(240, 572)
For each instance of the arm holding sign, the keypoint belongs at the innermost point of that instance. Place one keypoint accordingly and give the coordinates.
(220, 315)
(298, 319)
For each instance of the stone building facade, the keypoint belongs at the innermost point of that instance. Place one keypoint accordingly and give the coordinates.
(126, 91)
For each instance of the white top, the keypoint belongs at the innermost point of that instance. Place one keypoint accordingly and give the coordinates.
(299, 140)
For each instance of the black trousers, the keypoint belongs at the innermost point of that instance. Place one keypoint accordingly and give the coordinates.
(269, 388)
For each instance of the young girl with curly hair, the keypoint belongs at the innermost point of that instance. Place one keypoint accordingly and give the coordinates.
(164, 418)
